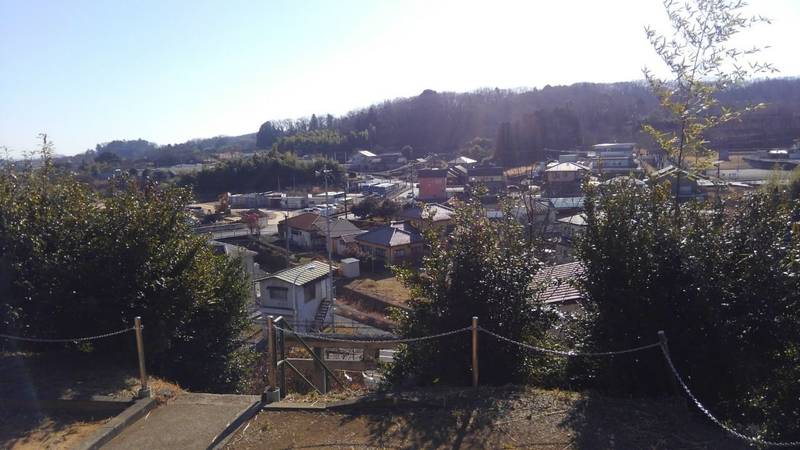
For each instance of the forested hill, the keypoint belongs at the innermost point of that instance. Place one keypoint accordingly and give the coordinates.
(560, 117)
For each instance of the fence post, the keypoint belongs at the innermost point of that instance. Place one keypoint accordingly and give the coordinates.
(144, 391)
(474, 351)
(272, 357)
(282, 369)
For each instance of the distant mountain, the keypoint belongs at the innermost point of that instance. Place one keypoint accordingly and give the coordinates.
(195, 150)
(560, 117)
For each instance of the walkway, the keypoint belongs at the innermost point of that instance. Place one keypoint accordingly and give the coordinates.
(191, 421)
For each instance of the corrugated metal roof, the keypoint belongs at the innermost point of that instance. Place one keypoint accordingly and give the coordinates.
(566, 167)
(302, 274)
(433, 211)
(577, 219)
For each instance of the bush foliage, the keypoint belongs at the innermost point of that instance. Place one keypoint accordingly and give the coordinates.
(723, 281)
(483, 268)
(78, 264)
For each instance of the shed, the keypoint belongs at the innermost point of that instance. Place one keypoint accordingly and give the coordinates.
(350, 268)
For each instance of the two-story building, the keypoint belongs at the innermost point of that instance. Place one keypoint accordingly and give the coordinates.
(493, 178)
(564, 179)
(301, 294)
(611, 159)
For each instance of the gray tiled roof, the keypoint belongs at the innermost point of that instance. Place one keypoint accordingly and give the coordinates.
(391, 235)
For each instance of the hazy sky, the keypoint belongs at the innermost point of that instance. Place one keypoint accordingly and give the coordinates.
(167, 71)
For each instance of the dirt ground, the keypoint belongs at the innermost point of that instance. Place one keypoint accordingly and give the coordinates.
(62, 375)
(508, 417)
(39, 430)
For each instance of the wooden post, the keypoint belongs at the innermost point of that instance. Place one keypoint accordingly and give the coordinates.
(474, 351)
(272, 357)
(144, 391)
(282, 373)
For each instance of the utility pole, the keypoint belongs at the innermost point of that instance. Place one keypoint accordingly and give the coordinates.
(325, 171)
(288, 236)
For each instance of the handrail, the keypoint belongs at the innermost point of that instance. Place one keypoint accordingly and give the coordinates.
(311, 351)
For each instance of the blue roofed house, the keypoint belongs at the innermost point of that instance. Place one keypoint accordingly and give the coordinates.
(396, 243)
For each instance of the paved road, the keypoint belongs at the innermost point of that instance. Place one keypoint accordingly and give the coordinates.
(191, 421)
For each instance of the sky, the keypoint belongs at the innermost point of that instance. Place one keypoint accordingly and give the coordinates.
(86, 72)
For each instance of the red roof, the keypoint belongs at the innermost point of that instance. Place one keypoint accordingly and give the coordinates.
(303, 221)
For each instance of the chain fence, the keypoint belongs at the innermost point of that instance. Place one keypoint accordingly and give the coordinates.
(568, 353)
(711, 417)
(64, 340)
(324, 337)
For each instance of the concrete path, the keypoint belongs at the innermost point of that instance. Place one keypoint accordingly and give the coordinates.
(190, 421)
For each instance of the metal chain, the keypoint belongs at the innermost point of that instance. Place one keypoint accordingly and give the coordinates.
(324, 337)
(80, 339)
(708, 414)
(566, 352)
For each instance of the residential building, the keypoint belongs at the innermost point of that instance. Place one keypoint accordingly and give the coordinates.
(421, 214)
(612, 159)
(689, 187)
(308, 231)
(559, 287)
(564, 179)
(395, 243)
(492, 177)
(432, 185)
(246, 256)
(362, 159)
(302, 295)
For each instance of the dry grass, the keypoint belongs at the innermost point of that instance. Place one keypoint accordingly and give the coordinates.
(389, 288)
(67, 375)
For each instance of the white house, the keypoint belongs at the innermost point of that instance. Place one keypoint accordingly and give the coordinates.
(300, 294)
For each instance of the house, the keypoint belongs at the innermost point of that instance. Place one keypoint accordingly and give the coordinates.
(309, 230)
(494, 178)
(246, 256)
(571, 227)
(611, 159)
(302, 295)
(559, 289)
(566, 205)
(395, 243)
(419, 215)
(299, 230)
(564, 179)
(689, 187)
(362, 159)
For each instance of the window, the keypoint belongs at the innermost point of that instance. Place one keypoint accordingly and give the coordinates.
(296, 233)
(309, 292)
(278, 293)
(400, 253)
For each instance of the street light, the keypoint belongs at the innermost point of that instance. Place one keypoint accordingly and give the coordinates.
(294, 287)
